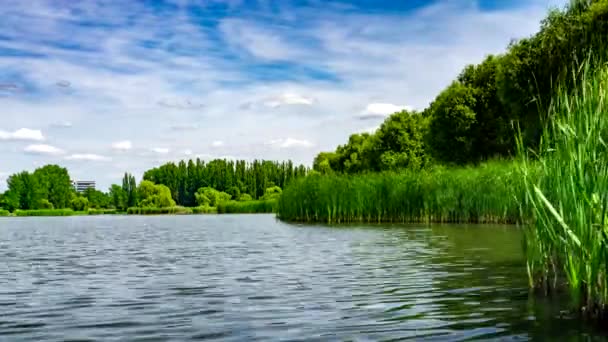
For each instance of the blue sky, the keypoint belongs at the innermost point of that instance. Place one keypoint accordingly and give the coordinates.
(104, 87)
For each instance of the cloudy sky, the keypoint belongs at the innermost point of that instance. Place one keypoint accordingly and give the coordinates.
(104, 87)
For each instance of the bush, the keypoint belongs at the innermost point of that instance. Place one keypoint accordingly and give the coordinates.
(4, 212)
(80, 203)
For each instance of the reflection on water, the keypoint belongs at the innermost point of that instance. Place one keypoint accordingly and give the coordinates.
(250, 277)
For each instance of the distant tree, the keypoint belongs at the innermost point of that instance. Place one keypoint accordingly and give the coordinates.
(129, 186)
(118, 197)
(54, 185)
(154, 195)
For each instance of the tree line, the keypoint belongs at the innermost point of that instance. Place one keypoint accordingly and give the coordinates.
(477, 116)
(189, 183)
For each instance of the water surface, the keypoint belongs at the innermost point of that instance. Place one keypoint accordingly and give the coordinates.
(250, 277)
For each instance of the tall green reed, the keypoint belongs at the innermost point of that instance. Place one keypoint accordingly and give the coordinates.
(568, 198)
(484, 194)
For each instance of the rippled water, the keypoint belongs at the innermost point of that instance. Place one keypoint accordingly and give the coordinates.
(249, 277)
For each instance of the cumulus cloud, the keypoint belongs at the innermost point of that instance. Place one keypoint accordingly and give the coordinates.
(22, 134)
(160, 150)
(124, 145)
(380, 110)
(187, 152)
(290, 143)
(87, 157)
(43, 149)
(289, 99)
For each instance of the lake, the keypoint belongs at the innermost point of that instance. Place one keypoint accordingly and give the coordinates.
(251, 277)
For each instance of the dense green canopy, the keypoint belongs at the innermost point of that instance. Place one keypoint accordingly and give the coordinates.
(477, 116)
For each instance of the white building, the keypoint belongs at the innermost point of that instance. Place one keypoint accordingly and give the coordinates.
(81, 186)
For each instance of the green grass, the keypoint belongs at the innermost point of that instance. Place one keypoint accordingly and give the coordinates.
(246, 207)
(204, 210)
(49, 212)
(177, 210)
(103, 212)
(482, 194)
(569, 198)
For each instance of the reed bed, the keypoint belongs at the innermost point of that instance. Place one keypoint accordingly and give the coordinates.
(48, 212)
(483, 194)
(176, 210)
(204, 210)
(103, 212)
(567, 243)
(247, 207)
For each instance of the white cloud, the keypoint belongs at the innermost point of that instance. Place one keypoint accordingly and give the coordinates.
(217, 143)
(188, 152)
(184, 127)
(289, 99)
(258, 41)
(22, 134)
(122, 145)
(160, 150)
(63, 124)
(290, 143)
(43, 149)
(87, 157)
(381, 110)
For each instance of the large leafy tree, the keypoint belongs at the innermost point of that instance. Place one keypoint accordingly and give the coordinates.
(54, 185)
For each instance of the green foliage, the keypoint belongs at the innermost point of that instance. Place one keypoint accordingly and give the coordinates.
(80, 203)
(46, 212)
(23, 192)
(54, 185)
(250, 207)
(245, 198)
(97, 199)
(154, 195)
(210, 197)
(174, 210)
(204, 210)
(45, 204)
(4, 212)
(129, 187)
(118, 197)
(482, 194)
(102, 211)
(473, 119)
(236, 178)
(569, 236)
(272, 193)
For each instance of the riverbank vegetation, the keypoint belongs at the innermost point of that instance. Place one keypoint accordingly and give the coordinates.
(486, 193)
(568, 238)
(183, 188)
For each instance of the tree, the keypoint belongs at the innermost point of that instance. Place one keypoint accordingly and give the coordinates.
(118, 197)
(210, 197)
(129, 186)
(452, 124)
(97, 199)
(23, 192)
(54, 185)
(153, 195)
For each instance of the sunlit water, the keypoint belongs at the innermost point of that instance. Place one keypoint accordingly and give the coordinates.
(247, 277)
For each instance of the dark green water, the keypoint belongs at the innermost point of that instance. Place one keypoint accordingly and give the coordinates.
(244, 278)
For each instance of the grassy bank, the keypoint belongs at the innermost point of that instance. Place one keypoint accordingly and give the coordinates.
(177, 210)
(568, 240)
(248, 207)
(48, 212)
(483, 194)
